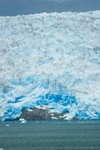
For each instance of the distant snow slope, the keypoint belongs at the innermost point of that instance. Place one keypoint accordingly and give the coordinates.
(53, 60)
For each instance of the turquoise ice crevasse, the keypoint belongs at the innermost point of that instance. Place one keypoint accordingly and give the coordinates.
(35, 91)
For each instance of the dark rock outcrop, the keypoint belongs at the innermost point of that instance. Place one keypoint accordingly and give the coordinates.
(35, 114)
(75, 118)
(41, 114)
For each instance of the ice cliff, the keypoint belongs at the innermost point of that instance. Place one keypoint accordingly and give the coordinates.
(51, 60)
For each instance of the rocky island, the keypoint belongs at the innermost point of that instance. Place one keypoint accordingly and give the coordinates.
(42, 114)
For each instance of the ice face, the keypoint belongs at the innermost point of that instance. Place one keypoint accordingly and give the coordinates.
(52, 60)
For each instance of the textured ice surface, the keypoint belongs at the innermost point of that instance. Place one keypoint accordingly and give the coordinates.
(52, 60)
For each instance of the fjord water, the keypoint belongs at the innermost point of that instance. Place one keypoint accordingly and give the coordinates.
(50, 135)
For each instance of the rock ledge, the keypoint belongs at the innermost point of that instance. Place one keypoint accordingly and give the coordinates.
(41, 114)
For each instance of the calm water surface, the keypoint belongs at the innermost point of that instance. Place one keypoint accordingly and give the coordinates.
(50, 135)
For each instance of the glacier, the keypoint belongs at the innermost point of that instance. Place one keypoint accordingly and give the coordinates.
(50, 59)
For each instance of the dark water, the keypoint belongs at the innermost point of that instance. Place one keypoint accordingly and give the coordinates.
(50, 135)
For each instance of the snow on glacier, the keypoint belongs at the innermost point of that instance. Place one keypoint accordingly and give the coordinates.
(51, 60)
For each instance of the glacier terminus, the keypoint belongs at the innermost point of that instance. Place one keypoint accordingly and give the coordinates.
(50, 60)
